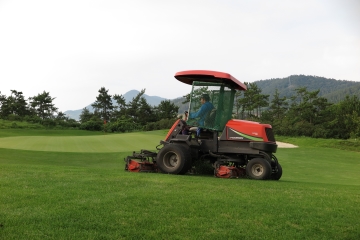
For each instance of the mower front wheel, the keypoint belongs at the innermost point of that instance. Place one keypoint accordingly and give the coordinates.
(278, 174)
(174, 159)
(259, 169)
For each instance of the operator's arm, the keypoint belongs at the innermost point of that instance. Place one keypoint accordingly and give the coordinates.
(205, 108)
(198, 113)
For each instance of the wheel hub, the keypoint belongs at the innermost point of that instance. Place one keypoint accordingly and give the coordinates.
(170, 160)
(257, 169)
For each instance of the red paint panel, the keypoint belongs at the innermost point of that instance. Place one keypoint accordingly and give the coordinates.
(253, 129)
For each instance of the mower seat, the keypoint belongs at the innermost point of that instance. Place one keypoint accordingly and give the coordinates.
(210, 119)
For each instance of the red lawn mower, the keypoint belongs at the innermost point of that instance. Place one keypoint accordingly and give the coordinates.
(235, 148)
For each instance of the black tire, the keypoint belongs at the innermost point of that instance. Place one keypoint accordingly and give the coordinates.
(174, 159)
(259, 169)
(278, 174)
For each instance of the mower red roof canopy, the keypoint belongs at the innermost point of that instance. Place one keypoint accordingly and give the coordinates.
(209, 76)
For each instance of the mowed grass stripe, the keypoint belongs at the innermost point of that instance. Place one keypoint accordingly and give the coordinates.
(102, 143)
(320, 165)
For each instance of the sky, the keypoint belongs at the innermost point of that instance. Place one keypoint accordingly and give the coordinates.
(72, 48)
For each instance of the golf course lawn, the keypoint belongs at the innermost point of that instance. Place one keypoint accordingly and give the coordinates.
(57, 185)
(97, 143)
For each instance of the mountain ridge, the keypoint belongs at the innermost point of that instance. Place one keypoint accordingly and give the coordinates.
(332, 89)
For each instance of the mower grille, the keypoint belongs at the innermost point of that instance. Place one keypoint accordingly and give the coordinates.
(270, 134)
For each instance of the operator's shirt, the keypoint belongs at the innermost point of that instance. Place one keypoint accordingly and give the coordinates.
(202, 113)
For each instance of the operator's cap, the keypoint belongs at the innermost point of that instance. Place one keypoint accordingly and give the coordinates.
(186, 112)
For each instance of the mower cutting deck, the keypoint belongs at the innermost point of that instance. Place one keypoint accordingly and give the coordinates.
(144, 161)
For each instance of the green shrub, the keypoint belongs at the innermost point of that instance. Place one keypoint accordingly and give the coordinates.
(92, 125)
(33, 119)
(50, 123)
(13, 117)
(319, 132)
(161, 124)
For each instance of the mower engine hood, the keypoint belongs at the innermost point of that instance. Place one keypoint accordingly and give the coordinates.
(190, 76)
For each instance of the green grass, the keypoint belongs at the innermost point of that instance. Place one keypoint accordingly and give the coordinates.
(350, 144)
(6, 124)
(87, 195)
(79, 141)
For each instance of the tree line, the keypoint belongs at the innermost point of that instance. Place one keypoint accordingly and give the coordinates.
(111, 112)
(37, 109)
(305, 113)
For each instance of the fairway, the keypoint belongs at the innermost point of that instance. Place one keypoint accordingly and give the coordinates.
(75, 187)
(99, 143)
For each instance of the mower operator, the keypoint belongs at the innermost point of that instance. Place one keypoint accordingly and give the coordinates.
(204, 110)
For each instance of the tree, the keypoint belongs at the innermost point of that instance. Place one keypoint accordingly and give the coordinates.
(120, 109)
(252, 100)
(145, 113)
(308, 106)
(237, 105)
(196, 94)
(278, 106)
(346, 120)
(140, 111)
(167, 110)
(2, 104)
(261, 101)
(103, 104)
(61, 116)
(15, 105)
(85, 115)
(134, 105)
(42, 105)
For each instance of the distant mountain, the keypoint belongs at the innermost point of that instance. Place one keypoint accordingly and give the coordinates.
(151, 100)
(331, 89)
(182, 106)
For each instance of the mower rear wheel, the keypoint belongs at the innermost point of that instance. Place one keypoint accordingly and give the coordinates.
(259, 169)
(174, 159)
